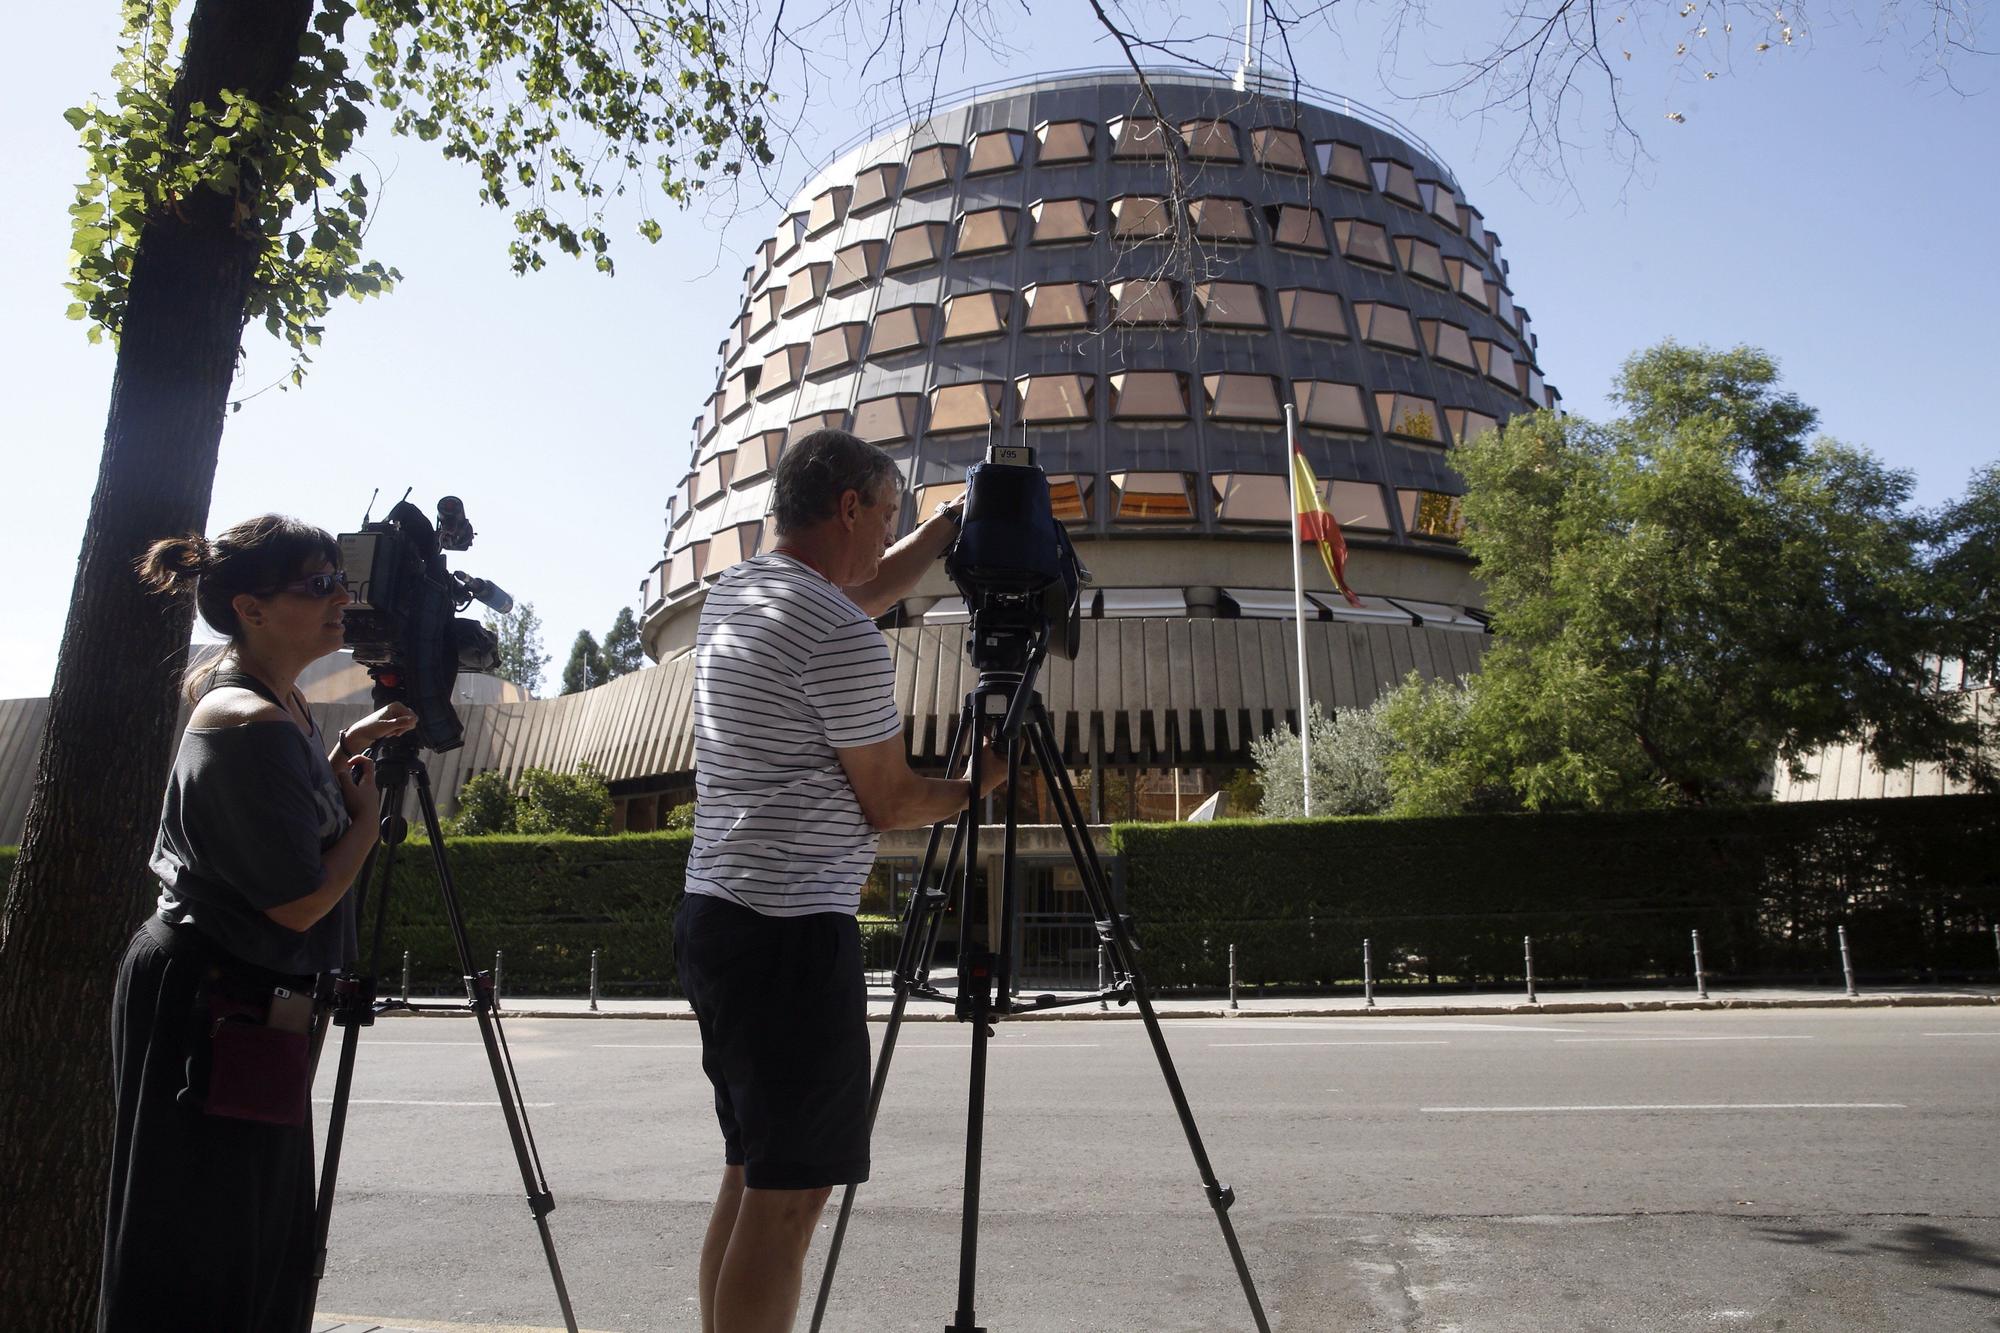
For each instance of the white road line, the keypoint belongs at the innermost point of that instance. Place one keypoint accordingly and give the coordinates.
(389, 1041)
(1685, 1106)
(999, 1046)
(387, 1101)
(1962, 1034)
(1221, 1045)
(645, 1046)
(1358, 1025)
(1766, 1037)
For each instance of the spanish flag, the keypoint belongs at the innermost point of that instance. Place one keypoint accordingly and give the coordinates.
(1317, 525)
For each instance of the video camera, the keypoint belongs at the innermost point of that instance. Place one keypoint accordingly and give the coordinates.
(1014, 564)
(403, 624)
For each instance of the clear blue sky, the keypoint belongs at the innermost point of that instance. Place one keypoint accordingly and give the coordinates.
(1819, 201)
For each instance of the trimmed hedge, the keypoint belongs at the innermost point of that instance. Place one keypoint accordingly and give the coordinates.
(1605, 896)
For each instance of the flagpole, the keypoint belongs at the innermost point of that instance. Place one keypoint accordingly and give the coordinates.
(1299, 610)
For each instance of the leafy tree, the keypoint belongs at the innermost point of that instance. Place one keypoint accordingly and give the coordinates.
(680, 817)
(521, 655)
(585, 669)
(1681, 599)
(485, 805)
(549, 802)
(623, 653)
(1965, 541)
(1350, 765)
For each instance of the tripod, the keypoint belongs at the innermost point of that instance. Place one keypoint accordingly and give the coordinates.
(355, 1006)
(1005, 699)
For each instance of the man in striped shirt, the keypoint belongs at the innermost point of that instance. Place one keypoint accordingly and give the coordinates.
(799, 762)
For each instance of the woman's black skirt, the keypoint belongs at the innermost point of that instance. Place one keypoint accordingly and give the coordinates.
(209, 1224)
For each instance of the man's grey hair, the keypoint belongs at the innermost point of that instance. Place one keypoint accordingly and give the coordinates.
(814, 473)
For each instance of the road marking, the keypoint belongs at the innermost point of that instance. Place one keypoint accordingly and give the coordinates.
(1219, 1045)
(390, 1041)
(1767, 1037)
(646, 1046)
(1358, 1025)
(1962, 1034)
(398, 1325)
(998, 1046)
(387, 1101)
(1682, 1106)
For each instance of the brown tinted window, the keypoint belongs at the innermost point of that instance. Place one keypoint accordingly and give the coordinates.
(712, 478)
(685, 567)
(1149, 395)
(1363, 242)
(1051, 399)
(836, 348)
(931, 167)
(901, 329)
(1422, 260)
(1242, 397)
(782, 369)
(1408, 415)
(1252, 497)
(1304, 310)
(1145, 301)
(1154, 495)
(725, 548)
(1329, 406)
(764, 309)
(1468, 280)
(790, 232)
(737, 389)
(829, 207)
(805, 286)
(1396, 180)
(1278, 149)
(875, 187)
(1343, 162)
(1138, 136)
(1064, 141)
(805, 426)
(1473, 223)
(1058, 305)
(1058, 220)
(756, 455)
(1069, 496)
(1385, 326)
(1221, 220)
(995, 150)
(1468, 425)
(914, 245)
(1355, 504)
(1232, 305)
(1496, 362)
(974, 406)
(1449, 343)
(1431, 514)
(886, 420)
(975, 315)
(1296, 227)
(1440, 202)
(1140, 217)
(854, 266)
(930, 497)
(987, 230)
(1211, 140)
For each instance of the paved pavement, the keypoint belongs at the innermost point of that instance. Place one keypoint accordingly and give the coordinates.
(1822, 1169)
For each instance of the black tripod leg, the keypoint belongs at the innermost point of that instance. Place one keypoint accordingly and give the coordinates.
(541, 1202)
(921, 917)
(1119, 942)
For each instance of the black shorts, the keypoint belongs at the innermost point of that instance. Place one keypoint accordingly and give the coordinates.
(783, 1011)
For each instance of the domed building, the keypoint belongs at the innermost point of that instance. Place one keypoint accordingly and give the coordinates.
(1136, 287)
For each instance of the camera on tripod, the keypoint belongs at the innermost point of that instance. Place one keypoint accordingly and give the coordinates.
(404, 626)
(1014, 564)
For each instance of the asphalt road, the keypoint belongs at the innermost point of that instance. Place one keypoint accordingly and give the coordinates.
(1803, 1170)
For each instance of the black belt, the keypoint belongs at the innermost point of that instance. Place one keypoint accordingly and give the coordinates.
(188, 943)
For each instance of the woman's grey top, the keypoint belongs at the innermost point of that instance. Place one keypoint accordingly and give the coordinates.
(249, 815)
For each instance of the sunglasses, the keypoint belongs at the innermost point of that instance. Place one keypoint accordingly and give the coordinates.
(318, 585)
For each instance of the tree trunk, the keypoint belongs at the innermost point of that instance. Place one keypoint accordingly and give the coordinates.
(80, 884)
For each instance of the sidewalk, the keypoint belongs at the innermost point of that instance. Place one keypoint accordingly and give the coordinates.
(1389, 1003)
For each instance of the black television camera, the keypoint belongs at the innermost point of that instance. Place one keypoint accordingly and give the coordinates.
(1014, 564)
(403, 624)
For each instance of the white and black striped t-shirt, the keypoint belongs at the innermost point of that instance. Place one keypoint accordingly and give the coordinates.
(786, 671)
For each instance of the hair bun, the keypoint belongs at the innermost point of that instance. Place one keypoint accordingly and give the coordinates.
(173, 564)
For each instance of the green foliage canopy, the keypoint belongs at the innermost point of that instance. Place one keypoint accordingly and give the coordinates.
(560, 98)
(542, 802)
(585, 669)
(1350, 765)
(1681, 599)
(521, 656)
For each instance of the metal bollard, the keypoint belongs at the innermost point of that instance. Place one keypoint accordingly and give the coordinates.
(1367, 974)
(406, 976)
(593, 981)
(496, 978)
(1846, 962)
(1996, 940)
(1232, 976)
(1700, 977)
(1528, 963)
(1103, 979)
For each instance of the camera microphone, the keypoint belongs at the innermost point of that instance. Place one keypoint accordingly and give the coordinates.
(486, 592)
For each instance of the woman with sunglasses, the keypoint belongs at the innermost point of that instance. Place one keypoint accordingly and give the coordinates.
(264, 832)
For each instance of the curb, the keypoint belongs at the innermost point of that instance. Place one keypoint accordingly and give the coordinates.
(1125, 1013)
